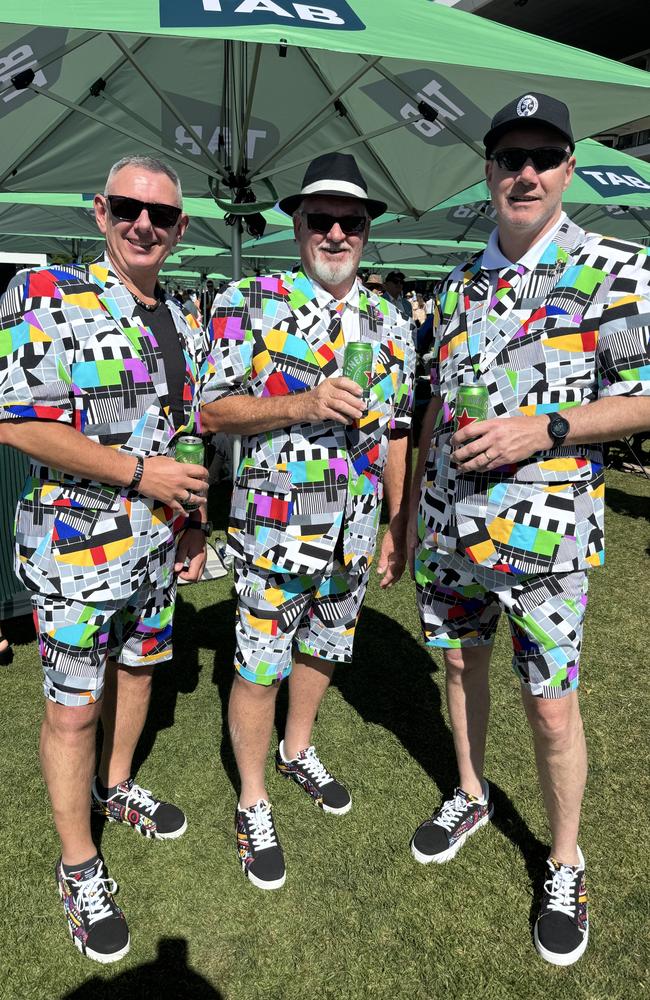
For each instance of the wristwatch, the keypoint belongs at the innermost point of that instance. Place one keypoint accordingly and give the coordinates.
(558, 428)
(204, 526)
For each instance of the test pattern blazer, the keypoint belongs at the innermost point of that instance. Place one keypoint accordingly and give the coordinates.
(573, 330)
(73, 350)
(298, 486)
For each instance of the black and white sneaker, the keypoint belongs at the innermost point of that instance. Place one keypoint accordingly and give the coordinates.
(311, 774)
(258, 847)
(137, 807)
(442, 836)
(562, 928)
(95, 921)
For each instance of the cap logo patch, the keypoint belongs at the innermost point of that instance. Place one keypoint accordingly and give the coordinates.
(527, 106)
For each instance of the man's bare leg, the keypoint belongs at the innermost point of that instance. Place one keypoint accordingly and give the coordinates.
(68, 763)
(308, 682)
(561, 754)
(127, 692)
(468, 700)
(251, 713)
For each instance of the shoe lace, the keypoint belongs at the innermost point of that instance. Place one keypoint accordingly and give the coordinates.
(561, 890)
(315, 768)
(91, 897)
(142, 798)
(261, 829)
(451, 811)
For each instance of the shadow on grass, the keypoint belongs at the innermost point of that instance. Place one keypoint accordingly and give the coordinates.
(168, 975)
(628, 504)
(390, 684)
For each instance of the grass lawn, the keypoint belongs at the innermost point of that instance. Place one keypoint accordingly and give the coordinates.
(358, 917)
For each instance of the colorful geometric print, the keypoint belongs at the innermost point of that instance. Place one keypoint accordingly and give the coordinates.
(460, 605)
(278, 613)
(574, 329)
(76, 639)
(73, 350)
(295, 488)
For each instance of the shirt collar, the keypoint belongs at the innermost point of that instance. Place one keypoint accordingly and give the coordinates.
(325, 298)
(495, 260)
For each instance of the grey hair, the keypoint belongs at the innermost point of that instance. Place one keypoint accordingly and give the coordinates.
(146, 163)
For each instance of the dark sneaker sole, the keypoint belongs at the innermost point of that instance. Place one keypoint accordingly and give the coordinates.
(560, 958)
(148, 835)
(451, 852)
(97, 956)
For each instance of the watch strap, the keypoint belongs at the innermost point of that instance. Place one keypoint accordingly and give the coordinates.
(137, 475)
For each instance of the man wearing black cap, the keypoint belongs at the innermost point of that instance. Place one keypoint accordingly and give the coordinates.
(549, 328)
(394, 292)
(316, 455)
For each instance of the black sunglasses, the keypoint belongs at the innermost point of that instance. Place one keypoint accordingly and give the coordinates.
(542, 157)
(129, 209)
(322, 222)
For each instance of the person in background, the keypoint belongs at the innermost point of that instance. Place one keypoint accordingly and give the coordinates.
(374, 283)
(98, 375)
(549, 327)
(419, 310)
(394, 292)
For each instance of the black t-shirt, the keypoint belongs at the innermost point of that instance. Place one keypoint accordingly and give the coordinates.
(162, 326)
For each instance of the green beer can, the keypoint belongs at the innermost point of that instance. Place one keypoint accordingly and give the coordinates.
(471, 405)
(189, 450)
(357, 364)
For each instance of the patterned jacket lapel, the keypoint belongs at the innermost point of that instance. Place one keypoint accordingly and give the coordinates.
(309, 320)
(120, 304)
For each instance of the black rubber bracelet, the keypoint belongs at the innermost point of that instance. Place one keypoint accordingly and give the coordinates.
(137, 476)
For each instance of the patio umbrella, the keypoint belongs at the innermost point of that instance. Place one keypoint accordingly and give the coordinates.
(241, 94)
(609, 194)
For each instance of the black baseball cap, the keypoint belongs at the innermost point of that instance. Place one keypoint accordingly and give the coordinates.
(534, 109)
(396, 276)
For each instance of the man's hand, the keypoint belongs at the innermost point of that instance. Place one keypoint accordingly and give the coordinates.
(175, 483)
(392, 558)
(191, 555)
(337, 399)
(488, 444)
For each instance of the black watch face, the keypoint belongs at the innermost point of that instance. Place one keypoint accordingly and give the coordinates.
(559, 427)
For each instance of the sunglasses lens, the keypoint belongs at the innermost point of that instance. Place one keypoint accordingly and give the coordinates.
(129, 209)
(125, 209)
(321, 222)
(164, 216)
(542, 158)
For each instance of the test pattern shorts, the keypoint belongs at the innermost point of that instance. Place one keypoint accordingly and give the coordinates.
(76, 639)
(460, 604)
(277, 612)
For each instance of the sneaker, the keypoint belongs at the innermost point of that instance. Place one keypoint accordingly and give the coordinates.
(95, 921)
(562, 928)
(308, 771)
(137, 807)
(258, 846)
(442, 836)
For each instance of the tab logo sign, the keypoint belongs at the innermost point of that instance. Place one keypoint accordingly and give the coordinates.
(333, 14)
(612, 182)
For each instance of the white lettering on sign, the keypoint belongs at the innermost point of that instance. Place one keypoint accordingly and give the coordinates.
(185, 140)
(305, 11)
(432, 94)
(466, 212)
(606, 177)
(15, 62)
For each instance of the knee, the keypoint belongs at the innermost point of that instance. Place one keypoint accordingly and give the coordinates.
(461, 662)
(555, 722)
(70, 724)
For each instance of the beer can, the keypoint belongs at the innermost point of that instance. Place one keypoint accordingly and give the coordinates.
(471, 405)
(189, 449)
(357, 364)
